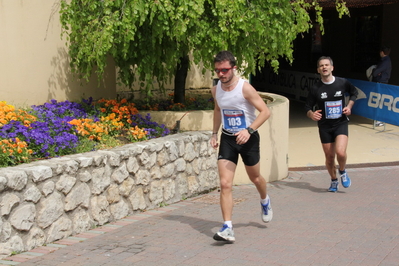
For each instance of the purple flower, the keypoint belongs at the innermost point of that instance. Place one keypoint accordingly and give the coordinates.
(51, 134)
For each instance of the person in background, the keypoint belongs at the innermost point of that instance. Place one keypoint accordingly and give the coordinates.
(382, 72)
(235, 104)
(328, 94)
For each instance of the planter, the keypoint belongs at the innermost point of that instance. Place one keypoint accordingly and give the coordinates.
(274, 135)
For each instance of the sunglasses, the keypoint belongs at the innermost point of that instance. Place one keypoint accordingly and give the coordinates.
(223, 70)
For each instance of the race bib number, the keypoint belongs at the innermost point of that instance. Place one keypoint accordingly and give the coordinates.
(234, 120)
(333, 109)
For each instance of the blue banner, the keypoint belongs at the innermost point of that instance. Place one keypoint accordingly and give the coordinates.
(377, 101)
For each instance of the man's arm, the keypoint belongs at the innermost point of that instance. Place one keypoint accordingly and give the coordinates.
(353, 92)
(382, 66)
(252, 96)
(347, 110)
(217, 120)
(309, 106)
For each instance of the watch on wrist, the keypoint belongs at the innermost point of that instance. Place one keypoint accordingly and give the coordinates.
(250, 130)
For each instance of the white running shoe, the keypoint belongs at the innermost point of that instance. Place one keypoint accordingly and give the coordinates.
(225, 234)
(267, 212)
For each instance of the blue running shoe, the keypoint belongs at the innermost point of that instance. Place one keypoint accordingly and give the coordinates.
(333, 186)
(225, 234)
(345, 180)
(267, 212)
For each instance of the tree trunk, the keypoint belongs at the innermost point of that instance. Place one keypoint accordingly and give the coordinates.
(180, 80)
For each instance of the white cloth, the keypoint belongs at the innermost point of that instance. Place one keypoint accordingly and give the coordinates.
(369, 72)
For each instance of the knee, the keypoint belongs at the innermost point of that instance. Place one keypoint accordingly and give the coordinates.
(256, 179)
(330, 158)
(341, 154)
(225, 185)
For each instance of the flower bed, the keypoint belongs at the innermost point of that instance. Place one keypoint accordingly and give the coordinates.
(61, 128)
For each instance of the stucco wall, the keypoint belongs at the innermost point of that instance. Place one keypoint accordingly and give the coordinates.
(34, 63)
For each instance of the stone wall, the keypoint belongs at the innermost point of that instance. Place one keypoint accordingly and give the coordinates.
(52, 199)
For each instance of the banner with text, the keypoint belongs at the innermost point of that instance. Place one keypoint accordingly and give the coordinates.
(377, 101)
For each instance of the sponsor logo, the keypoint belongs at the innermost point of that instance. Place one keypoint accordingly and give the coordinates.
(381, 101)
(338, 94)
(324, 95)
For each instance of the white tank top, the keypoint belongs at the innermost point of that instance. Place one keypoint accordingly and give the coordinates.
(237, 113)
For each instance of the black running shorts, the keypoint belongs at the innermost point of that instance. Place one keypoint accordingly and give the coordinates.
(328, 134)
(229, 149)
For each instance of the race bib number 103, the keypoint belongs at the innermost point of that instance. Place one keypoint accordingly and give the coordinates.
(234, 120)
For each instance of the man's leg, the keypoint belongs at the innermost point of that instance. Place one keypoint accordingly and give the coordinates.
(329, 152)
(341, 142)
(256, 178)
(260, 184)
(226, 175)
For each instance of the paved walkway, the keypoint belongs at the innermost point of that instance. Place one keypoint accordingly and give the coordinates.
(356, 226)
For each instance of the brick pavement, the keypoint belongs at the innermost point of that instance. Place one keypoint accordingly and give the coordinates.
(356, 226)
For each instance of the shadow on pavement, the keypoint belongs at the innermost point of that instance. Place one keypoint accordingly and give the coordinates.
(205, 226)
(301, 185)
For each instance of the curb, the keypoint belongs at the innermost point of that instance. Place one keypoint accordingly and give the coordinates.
(348, 166)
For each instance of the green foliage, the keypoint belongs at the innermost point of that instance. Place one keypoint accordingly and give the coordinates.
(192, 102)
(147, 38)
(13, 253)
(85, 145)
(163, 204)
(13, 152)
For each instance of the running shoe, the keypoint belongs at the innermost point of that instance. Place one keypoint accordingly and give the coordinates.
(267, 212)
(225, 234)
(334, 186)
(345, 180)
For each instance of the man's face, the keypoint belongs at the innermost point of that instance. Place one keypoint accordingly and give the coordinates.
(226, 71)
(325, 68)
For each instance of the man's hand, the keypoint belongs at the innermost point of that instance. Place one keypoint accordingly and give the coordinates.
(214, 141)
(316, 115)
(347, 111)
(242, 137)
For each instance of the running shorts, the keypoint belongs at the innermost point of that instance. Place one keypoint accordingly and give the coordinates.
(328, 134)
(229, 149)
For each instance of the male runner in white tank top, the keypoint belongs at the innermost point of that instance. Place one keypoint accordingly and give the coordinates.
(235, 104)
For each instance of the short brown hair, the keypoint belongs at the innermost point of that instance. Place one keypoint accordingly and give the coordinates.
(225, 56)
